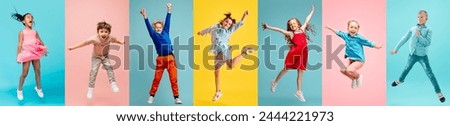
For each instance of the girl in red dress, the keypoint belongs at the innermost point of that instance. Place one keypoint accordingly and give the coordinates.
(297, 56)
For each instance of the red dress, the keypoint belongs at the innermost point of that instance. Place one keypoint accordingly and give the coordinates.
(297, 56)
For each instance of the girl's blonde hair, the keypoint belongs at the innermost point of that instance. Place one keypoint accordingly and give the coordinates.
(309, 28)
(348, 23)
(158, 22)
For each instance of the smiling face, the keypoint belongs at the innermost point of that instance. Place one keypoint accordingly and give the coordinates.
(226, 24)
(103, 33)
(293, 25)
(422, 17)
(158, 27)
(353, 28)
(28, 20)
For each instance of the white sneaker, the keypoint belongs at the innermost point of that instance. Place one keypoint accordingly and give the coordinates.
(359, 81)
(178, 101)
(114, 87)
(20, 95)
(150, 100)
(90, 93)
(273, 86)
(39, 92)
(299, 96)
(354, 84)
(217, 96)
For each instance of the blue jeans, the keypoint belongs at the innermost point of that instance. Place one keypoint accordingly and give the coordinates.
(423, 60)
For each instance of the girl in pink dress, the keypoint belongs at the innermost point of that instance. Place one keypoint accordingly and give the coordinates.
(297, 56)
(30, 50)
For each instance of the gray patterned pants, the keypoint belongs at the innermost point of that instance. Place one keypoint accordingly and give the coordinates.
(94, 70)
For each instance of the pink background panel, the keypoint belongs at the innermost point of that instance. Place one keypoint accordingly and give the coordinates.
(371, 15)
(82, 17)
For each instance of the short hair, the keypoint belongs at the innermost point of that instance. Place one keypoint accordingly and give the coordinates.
(423, 11)
(158, 22)
(102, 25)
(348, 23)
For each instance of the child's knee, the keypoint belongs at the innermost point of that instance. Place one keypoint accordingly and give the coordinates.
(344, 71)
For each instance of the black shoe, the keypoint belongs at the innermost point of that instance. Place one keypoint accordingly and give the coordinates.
(442, 99)
(394, 84)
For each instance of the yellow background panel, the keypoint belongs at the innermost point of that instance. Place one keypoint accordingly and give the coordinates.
(239, 86)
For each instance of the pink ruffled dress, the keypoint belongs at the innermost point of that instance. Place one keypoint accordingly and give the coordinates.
(32, 48)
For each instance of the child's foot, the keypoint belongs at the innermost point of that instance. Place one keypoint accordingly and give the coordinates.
(359, 81)
(150, 99)
(299, 96)
(90, 93)
(19, 95)
(39, 92)
(217, 96)
(395, 83)
(441, 97)
(114, 87)
(273, 86)
(353, 84)
(247, 50)
(178, 101)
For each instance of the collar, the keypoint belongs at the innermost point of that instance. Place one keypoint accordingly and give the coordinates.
(424, 26)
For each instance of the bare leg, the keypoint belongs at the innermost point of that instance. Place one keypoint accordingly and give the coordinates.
(280, 75)
(299, 80)
(37, 72)
(25, 67)
(353, 68)
(344, 71)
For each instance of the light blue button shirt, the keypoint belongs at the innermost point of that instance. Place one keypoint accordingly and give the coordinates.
(418, 45)
(354, 45)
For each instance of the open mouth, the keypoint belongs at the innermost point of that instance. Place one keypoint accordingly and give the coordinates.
(103, 37)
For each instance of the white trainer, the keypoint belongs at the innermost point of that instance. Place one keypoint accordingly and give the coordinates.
(90, 93)
(299, 96)
(273, 86)
(114, 87)
(150, 100)
(19, 95)
(39, 92)
(178, 101)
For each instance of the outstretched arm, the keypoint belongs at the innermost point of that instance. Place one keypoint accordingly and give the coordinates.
(308, 18)
(81, 44)
(331, 29)
(118, 41)
(402, 41)
(169, 13)
(245, 15)
(147, 23)
(266, 26)
(207, 30)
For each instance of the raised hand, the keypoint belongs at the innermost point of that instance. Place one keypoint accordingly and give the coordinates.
(169, 7)
(394, 52)
(265, 26)
(143, 12)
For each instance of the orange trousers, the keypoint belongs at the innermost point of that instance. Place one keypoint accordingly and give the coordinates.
(165, 62)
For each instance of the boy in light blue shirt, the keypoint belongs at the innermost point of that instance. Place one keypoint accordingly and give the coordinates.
(354, 51)
(420, 40)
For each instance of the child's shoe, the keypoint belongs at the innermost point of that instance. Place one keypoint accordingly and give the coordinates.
(178, 101)
(217, 96)
(299, 96)
(19, 95)
(150, 99)
(114, 87)
(39, 92)
(273, 86)
(90, 93)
